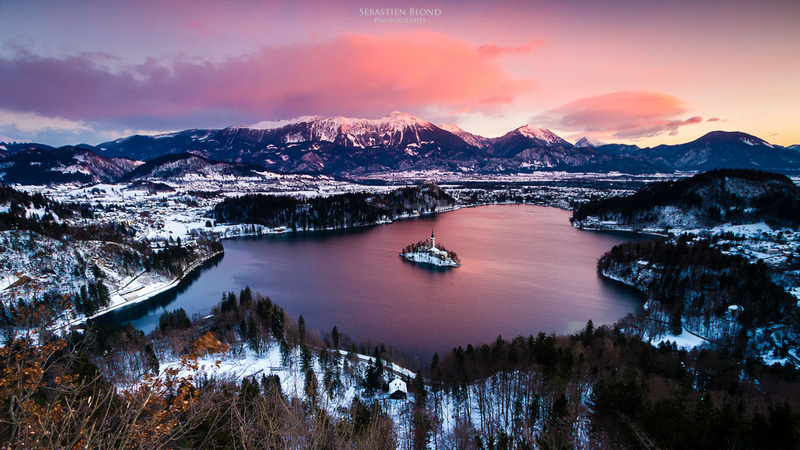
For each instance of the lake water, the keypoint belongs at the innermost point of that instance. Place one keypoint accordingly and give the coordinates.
(524, 269)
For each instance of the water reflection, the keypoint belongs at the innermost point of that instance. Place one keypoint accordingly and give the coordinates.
(524, 269)
(159, 302)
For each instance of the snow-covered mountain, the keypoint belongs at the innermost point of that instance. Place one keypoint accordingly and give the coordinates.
(394, 130)
(529, 148)
(728, 149)
(401, 142)
(62, 165)
(525, 138)
(587, 141)
(469, 138)
(187, 165)
(398, 141)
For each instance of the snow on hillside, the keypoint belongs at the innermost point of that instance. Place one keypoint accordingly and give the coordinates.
(483, 403)
(241, 362)
(540, 134)
(34, 264)
(273, 124)
(469, 138)
(685, 340)
(588, 141)
(389, 130)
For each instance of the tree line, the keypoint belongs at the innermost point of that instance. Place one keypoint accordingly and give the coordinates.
(603, 386)
(715, 196)
(333, 212)
(692, 280)
(606, 386)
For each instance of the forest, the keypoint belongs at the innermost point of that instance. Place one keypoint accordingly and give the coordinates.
(333, 212)
(16, 217)
(717, 196)
(692, 284)
(30, 219)
(600, 387)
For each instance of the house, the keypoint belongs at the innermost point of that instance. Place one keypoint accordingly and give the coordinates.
(398, 389)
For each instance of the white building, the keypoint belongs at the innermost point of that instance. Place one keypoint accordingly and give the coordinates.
(398, 389)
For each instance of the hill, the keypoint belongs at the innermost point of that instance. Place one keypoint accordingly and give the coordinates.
(709, 199)
(187, 165)
(62, 165)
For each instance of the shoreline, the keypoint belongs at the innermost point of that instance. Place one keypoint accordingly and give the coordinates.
(150, 291)
(153, 290)
(263, 230)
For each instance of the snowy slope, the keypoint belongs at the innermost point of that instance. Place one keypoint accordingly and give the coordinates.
(62, 165)
(587, 141)
(469, 138)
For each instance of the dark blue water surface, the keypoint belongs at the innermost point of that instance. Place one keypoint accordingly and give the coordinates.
(524, 269)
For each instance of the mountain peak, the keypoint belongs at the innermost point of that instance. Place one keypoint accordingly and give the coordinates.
(587, 141)
(274, 124)
(540, 134)
(451, 127)
(731, 137)
(402, 118)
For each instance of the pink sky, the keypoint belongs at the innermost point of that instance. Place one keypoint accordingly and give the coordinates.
(635, 71)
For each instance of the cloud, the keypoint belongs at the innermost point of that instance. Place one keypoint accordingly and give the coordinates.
(31, 123)
(496, 50)
(713, 119)
(352, 75)
(624, 115)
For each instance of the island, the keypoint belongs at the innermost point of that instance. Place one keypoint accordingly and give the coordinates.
(427, 252)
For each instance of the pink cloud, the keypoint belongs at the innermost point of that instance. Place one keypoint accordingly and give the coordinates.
(195, 26)
(496, 50)
(354, 74)
(625, 115)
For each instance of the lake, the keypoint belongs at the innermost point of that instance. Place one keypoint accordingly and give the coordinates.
(524, 269)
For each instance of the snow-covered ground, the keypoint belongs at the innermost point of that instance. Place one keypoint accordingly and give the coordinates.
(242, 362)
(686, 340)
(427, 257)
(490, 405)
(757, 243)
(182, 209)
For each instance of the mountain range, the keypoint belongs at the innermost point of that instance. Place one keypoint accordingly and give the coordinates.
(395, 143)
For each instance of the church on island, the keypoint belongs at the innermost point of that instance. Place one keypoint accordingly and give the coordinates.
(427, 252)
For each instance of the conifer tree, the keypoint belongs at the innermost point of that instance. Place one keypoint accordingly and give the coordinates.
(335, 337)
